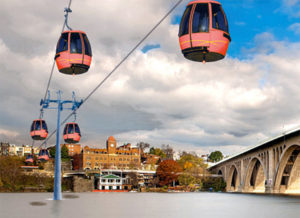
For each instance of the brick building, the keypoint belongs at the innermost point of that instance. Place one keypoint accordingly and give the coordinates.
(73, 149)
(112, 157)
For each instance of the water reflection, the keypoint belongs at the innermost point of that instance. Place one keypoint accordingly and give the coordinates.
(56, 208)
(38, 203)
(149, 205)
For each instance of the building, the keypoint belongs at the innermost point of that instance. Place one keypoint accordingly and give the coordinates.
(27, 149)
(111, 182)
(150, 161)
(73, 149)
(113, 157)
(4, 149)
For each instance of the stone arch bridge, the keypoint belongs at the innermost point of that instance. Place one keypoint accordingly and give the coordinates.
(270, 167)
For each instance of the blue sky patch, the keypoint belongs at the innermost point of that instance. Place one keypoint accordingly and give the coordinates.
(149, 47)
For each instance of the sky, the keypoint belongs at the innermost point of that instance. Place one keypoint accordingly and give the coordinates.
(156, 96)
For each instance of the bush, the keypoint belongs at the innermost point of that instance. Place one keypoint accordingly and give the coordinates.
(217, 184)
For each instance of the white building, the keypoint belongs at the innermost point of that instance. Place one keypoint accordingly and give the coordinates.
(110, 182)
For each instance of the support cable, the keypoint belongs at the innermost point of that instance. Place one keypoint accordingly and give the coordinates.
(53, 66)
(117, 66)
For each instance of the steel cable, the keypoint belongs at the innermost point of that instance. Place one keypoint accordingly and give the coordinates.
(117, 66)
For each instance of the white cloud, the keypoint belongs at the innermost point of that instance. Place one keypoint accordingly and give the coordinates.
(158, 97)
(295, 28)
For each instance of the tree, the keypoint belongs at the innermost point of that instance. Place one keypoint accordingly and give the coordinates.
(168, 171)
(158, 152)
(190, 160)
(10, 171)
(52, 151)
(142, 146)
(186, 179)
(216, 156)
(217, 184)
(168, 150)
(133, 179)
(63, 152)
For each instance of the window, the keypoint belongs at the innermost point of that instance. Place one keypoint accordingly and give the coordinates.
(44, 126)
(201, 18)
(38, 125)
(62, 43)
(219, 18)
(87, 46)
(184, 26)
(75, 44)
(77, 130)
(32, 126)
(65, 129)
(71, 129)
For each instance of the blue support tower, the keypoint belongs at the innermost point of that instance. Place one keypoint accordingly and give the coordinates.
(45, 105)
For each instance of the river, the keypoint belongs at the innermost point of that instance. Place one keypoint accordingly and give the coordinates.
(152, 205)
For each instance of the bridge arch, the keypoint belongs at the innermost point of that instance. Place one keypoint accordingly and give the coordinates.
(287, 179)
(233, 179)
(255, 176)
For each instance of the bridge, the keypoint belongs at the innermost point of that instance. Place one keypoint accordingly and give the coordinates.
(270, 167)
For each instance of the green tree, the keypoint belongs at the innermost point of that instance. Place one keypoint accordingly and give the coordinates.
(52, 151)
(63, 152)
(158, 152)
(186, 179)
(217, 184)
(216, 156)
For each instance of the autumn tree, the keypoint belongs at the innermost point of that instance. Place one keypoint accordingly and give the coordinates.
(168, 171)
(216, 156)
(189, 161)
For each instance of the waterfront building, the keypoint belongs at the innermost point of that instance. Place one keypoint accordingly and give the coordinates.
(113, 157)
(111, 182)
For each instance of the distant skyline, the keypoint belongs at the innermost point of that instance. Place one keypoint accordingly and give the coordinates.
(157, 96)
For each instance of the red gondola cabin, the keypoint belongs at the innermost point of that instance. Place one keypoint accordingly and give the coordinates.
(204, 33)
(39, 130)
(29, 159)
(43, 155)
(73, 53)
(72, 133)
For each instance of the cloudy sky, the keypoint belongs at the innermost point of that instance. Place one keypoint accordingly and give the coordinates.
(157, 96)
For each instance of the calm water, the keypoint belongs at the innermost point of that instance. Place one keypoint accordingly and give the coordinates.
(152, 205)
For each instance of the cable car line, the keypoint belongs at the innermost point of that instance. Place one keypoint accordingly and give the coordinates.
(53, 65)
(115, 68)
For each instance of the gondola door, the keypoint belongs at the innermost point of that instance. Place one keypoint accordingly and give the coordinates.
(200, 28)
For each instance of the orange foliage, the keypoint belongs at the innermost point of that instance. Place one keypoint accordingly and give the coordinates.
(168, 171)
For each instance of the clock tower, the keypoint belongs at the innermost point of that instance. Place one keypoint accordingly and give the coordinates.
(111, 145)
